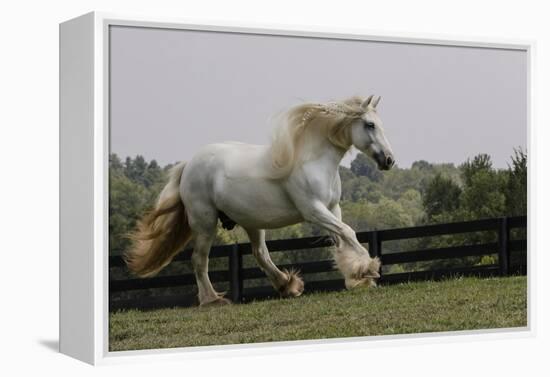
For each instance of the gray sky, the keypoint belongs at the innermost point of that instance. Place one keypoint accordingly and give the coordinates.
(173, 91)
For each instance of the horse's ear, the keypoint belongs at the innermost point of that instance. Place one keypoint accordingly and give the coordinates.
(375, 102)
(366, 102)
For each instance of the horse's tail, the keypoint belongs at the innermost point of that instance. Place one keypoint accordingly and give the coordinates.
(161, 233)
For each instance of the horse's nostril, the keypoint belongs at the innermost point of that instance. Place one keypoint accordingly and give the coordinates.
(389, 161)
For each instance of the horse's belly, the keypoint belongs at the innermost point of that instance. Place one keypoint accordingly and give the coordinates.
(269, 218)
(256, 203)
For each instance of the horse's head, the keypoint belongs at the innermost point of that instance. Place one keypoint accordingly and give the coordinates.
(367, 135)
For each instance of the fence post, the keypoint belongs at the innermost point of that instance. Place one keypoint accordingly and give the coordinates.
(503, 249)
(235, 274)
(375, 246)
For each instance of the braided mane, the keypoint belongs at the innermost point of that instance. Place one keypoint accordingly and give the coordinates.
(333, 119)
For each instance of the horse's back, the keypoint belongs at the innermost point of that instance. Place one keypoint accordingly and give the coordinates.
(233, 178)
(231, 158)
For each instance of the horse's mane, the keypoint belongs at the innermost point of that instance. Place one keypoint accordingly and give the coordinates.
(333, 119)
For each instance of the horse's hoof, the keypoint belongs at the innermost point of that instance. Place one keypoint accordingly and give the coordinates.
(220, 301)
(368, 270)
(352, 283)
(294, 286)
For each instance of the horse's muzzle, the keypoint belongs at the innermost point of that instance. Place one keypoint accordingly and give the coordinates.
(385, 162)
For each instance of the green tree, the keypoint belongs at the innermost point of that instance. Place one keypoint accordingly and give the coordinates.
(411, 201)
(442, 195)
(366, 167)
(422, 165)
(483, 192)
(516, 190)
(484, 196)
(128, 201)
(481, 162)
(115, 164)
(135, 168)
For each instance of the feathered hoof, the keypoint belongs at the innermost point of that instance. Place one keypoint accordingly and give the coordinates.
(294, 286)
(358, 270)
(370, 270)
(357, 283)
(220, 301)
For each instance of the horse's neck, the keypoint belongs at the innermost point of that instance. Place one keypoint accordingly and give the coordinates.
(320, 153)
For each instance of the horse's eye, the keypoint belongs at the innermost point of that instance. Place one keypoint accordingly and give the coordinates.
(369, 125)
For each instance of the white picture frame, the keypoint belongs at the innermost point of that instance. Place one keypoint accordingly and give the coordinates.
(84, 140)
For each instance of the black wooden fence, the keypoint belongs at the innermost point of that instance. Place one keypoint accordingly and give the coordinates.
(236, 275)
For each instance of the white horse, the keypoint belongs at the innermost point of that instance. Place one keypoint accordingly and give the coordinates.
(261, 187)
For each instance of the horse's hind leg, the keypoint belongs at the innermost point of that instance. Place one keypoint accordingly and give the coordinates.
(207, 293)
(203, 220)
(287, 283)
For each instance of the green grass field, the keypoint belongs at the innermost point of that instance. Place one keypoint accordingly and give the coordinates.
(456, 304)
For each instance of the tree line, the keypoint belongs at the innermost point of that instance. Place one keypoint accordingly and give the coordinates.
(425, 193)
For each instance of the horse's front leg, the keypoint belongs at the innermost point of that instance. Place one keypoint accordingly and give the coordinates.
(287, 283)
(351, 258)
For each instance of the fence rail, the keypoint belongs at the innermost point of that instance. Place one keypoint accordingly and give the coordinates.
(236, 274)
